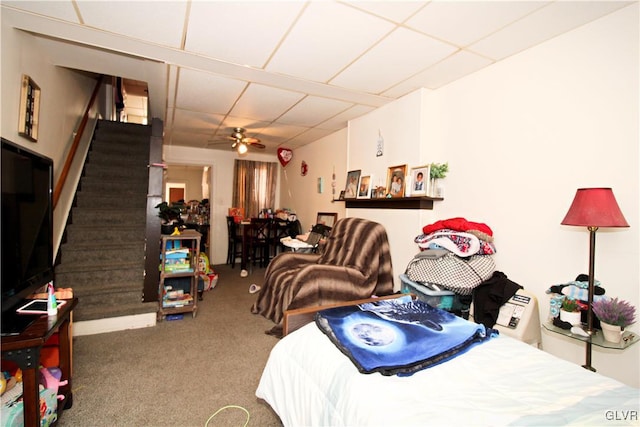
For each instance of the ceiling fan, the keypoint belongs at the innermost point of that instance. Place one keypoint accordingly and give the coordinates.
(241, 142)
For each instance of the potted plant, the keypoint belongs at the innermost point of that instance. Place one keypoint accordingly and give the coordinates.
(170, 216)
(438, 171)
(614, 316)
(570, 311)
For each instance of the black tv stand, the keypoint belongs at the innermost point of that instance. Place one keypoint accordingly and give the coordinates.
(14, 323)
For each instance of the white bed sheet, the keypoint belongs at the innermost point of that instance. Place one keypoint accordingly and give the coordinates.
(309, 382)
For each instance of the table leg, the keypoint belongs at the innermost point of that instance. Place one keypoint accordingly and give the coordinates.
(245, 250)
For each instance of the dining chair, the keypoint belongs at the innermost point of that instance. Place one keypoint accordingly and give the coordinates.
(234, 249)
(260, 239)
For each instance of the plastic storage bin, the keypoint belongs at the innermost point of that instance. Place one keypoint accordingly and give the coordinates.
(440, 299)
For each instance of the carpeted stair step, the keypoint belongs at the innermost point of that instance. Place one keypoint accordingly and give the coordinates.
(112, 217)
(109, 234)
(120, 304)
(104, 253)
(116, 185)
(89, 275)
(90, 200)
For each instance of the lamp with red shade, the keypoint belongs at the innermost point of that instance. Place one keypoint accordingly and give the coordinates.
(593, 208)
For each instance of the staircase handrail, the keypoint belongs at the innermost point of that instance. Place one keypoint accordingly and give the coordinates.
(74, 147)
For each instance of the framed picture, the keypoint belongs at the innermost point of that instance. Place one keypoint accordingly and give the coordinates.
(29, 109)
(351, 187)
(364, 187)
(396, 177)
(327, 218)
(341, 196)
(420, 180)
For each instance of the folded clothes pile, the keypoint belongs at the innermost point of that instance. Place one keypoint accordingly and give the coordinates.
(459, 236)
(455, 254)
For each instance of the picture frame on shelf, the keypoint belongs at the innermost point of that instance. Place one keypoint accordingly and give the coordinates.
(364, 187)
(396, 180)
(351, 186)
(420, 180)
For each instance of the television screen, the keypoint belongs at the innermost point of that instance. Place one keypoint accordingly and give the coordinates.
(27, 224)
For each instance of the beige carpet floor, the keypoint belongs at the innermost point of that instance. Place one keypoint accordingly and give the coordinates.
(180, 372)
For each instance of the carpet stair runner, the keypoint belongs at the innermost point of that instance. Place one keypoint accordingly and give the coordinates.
(102, 255)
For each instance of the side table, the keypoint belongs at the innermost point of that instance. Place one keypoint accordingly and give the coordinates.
(24, 350)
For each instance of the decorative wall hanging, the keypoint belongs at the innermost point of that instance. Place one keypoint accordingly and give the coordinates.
(29, 108)
(304, 168)
(284, 156)
(380, 144)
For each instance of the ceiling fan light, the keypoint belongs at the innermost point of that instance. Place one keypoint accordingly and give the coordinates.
(242, 148)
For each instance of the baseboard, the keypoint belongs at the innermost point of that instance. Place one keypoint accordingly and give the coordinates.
(100, 326)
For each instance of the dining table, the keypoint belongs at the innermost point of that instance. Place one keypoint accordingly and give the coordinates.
(277, 229)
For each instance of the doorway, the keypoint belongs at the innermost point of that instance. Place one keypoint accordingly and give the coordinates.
(175, 192)
(191, 184)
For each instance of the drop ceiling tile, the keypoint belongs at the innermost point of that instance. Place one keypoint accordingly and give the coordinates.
(464, 22)
(281, 132)
(327, 37)
(399, 56)
(193, 121)
(140, 20)
(544, 24)
(313, 110)
(188, 139)
(253, 127)
(308, 137)
(396, 11)
(58, 9)
(340, 120)
(264, 102)
(201, 91)
(452, 68)
(242, 32)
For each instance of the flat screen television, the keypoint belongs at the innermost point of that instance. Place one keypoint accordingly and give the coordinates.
(27, 230)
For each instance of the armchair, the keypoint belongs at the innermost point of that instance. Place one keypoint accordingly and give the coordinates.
(355, 264)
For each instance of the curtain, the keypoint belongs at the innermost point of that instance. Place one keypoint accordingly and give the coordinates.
(254, 186)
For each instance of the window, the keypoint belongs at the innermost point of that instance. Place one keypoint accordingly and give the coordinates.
(254, 186)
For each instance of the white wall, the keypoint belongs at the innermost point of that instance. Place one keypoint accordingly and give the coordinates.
(64, 97)
(221, 188)
(300, 193)
(520, 137)
(523, 135)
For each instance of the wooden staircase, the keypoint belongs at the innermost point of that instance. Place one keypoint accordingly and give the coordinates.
(102, 256)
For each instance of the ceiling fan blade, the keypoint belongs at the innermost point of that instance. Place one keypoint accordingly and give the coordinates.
(256, 144)
(248, 140)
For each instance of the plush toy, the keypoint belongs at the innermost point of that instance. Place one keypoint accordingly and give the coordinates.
(208, 276)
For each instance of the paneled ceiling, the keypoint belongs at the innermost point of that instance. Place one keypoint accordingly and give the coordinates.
(290, 72)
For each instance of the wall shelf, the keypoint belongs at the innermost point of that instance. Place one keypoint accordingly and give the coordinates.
(392, 203)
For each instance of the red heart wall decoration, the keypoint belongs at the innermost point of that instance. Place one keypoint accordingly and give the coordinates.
(284, 156)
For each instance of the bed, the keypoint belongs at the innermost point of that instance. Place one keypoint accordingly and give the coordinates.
(502, 381)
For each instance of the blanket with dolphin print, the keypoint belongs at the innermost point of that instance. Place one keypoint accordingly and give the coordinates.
(399, 336)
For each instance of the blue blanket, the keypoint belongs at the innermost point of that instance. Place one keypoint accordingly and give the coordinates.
(399, 336)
